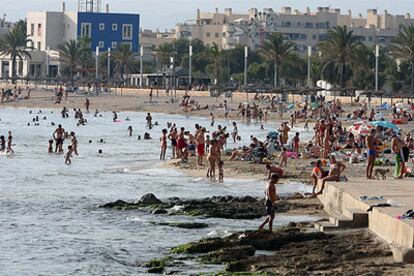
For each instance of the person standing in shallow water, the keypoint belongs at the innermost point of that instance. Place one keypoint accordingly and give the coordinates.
(59, 136)
(270, 201)
(163, 144)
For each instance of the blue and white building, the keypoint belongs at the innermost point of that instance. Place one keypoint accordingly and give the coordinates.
(109, 30)
(49, 29)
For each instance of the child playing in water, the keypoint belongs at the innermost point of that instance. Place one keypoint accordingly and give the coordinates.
(221, 171)
(283, 157)
(50, 148)
(68, 155)
(130, 131)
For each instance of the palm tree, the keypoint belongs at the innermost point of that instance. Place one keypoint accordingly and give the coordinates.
(276, 50)
(403, 47)
(341, 51)
(164, 53)
(71, 54)
(213, 54)
(125, 59)
(15, 45)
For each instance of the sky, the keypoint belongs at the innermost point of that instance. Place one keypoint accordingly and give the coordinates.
(164, 14)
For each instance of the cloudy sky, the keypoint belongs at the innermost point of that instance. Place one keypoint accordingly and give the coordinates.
(166, 13)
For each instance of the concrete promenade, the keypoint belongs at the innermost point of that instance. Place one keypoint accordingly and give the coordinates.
(343, 199)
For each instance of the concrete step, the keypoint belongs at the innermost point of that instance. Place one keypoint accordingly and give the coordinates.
(341, 221)
(325, 226)
(358, 216)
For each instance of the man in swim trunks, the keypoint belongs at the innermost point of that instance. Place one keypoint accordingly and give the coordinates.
(270, 199)
(59, 136)
(201, 144)
(402, 153)
(371, 142)
(181, 144)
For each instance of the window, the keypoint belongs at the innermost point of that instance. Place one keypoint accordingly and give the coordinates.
(224, 34)
(86, 30)
(114, 27)
(127, 31)
(309, 25)
(370, 38)
(39, 29)
(114, 44)
(32, 29)
(101, 26)
(314, 37)
(217, 35)
(39, 46)
(101, 44)
(208, 34)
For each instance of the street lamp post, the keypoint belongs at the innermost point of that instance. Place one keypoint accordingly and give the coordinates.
(246, 55)
(47, 61)
(109, 63)
(141, 67)
(97, 64)
(309, 65)
(190, 65)
(173, 67)
(376, 66)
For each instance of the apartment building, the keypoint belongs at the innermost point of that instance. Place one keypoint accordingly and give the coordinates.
(306, 28)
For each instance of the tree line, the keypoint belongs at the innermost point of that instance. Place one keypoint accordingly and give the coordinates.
(342, 59)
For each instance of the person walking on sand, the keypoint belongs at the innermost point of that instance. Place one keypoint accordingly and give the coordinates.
(371, 142)
(163, 144)
(270, 199)
(87, 103)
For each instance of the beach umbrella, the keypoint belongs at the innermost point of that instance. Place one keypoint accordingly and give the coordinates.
(385, 124)
(360, 129)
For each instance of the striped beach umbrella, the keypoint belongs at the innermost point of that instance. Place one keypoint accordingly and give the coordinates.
(360, 129)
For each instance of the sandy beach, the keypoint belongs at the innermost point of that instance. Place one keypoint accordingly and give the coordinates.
(297, 170)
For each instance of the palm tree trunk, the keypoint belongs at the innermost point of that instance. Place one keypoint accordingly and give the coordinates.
(13, 69)
(412, 77)
(341, 75)
(275, 76)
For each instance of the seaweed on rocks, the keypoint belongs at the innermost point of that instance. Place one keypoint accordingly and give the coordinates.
(228, 207)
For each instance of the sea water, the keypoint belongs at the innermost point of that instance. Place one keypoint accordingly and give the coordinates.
(49, 220)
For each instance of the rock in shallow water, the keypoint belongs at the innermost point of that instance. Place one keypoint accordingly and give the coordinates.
(149, 199)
